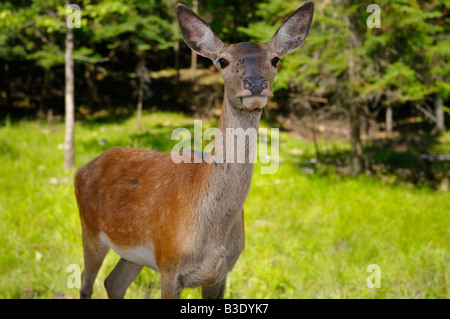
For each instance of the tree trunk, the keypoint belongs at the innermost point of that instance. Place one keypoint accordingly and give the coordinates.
(316, 145)
(193, 54)
(356, 158)
(29, 87)
(8, 89)
(69, 145)
(46, 88)
(439, 113)
(89, 75)
(139, 104)
(367, 140)
(176, 51)
(143, 80)
(356, 154)
(389, 120)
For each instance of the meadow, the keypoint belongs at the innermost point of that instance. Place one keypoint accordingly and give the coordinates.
(307, 235)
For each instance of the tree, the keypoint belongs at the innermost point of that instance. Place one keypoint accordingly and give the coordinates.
(137, 27)
(409, 57)
(142, 74)
(40, 34)
(36, 26)
(354, 66)
(193, 54)
(13, 45)
(69, 140)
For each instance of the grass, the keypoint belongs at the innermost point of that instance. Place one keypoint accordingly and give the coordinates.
(307, 235)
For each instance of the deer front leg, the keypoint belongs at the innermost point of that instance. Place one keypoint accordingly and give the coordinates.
(170, 286)
(216, 291)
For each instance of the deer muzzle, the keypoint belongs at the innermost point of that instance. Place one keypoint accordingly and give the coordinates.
(255, 86)
(255, 93)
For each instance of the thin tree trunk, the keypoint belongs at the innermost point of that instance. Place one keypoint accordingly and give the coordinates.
(89, 75)
(29, 87)
(69, 144)
(316, 145)
(439, 113)
(139, 104)
(8, 88)
(46, 87)
(356, 159)
(367, 140)
(193, 54)
(367, 125)
(176, 52)
(356, 154)
(389, 120)
(143, 79)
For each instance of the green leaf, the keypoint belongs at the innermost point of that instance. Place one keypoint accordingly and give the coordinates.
(143, 46)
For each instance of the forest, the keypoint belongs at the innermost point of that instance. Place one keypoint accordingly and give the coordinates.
(363, 110)
(129, 55)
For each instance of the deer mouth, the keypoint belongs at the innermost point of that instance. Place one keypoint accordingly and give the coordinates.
(254, 101)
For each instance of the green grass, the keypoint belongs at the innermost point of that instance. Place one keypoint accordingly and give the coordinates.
(307, 236)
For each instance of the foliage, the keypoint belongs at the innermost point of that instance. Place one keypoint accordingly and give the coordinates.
(405, 59)
(36, 32)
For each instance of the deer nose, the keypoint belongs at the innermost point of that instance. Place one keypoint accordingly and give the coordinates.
(256, 86)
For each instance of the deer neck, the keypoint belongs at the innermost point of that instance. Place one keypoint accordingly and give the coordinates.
(230, 180)
(233, 116)
(236, 138)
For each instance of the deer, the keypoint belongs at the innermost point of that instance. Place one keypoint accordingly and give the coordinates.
(184, 220)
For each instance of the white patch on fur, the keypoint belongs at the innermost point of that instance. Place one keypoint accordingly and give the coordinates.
(140, 255)
(253, 102)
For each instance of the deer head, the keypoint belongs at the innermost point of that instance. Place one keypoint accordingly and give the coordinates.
(248, 69)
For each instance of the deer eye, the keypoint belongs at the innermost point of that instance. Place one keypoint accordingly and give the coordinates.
(275, 61)
(223, 63)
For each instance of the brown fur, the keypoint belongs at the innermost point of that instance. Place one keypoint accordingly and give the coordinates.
(136, 197)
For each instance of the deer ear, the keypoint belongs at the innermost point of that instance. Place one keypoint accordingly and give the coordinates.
(197, 34)
(293, 31)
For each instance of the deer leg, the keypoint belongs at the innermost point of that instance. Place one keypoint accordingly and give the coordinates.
(216, 291)
(94, 253)
(170, 286)
(121, 278)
